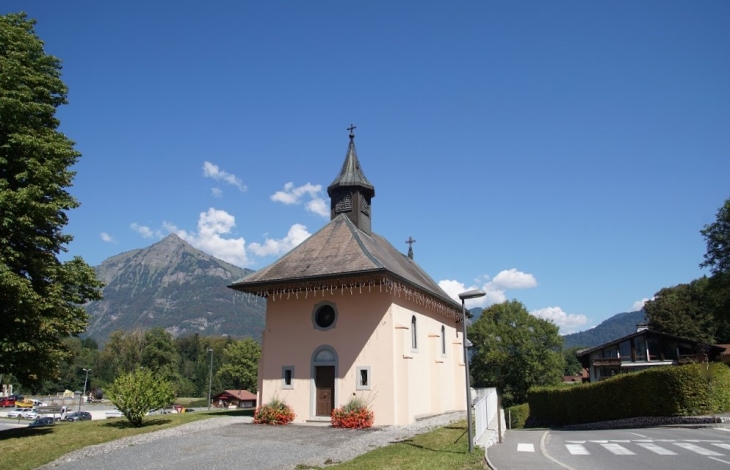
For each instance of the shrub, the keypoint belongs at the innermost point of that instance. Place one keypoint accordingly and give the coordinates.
(275, 412)
(138, 392)
(355, 415)
(518, 415)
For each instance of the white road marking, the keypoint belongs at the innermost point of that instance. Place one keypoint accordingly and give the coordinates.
(655, 448)
(623, 441)
(723, 429)
(577, 449)
(576, 442)
(599, 442)
(697, 449)
(665, 440)
(617, 449)
(643, 440)
(525, 448)
(720, 460)
(637, 434)
(722, 446)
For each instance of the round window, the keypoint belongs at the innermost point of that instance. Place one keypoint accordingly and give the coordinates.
(325, 316)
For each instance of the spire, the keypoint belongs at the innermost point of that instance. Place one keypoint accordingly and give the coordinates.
(351, 191)
(351, 174)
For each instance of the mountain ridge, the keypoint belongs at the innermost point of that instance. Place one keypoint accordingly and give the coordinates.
(177, 287)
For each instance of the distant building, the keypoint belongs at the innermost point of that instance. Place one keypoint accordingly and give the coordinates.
(234, 398)
(641, 350)
(348, 315)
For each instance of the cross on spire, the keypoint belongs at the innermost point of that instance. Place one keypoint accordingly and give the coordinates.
(410, 242)
(352, 128)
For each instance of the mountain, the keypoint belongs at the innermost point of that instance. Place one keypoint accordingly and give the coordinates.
(619, 325)
(174, 286)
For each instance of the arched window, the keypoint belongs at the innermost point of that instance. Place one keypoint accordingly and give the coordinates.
(414, 335)
(443, 340)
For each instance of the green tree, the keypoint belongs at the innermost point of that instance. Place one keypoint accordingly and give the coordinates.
(122, 354)
(527, 350)
(717, 237)
(572, 364)
(139, 392)
(239, 369)
(40, 297)
(685, 310)
(717, 258)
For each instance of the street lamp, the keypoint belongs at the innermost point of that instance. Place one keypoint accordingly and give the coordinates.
(85, 380)
(210, 380)
(470, 294)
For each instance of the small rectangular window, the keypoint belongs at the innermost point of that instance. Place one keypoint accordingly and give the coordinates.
(287, 377)
(363, 378)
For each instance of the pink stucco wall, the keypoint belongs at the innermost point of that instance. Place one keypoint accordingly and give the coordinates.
(372, 330)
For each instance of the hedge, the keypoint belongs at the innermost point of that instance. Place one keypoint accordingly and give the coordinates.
(518, 415)
(687, 390)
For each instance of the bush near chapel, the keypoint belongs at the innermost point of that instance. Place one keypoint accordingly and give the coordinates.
(275, 412)
(689, 390)
(354, 415)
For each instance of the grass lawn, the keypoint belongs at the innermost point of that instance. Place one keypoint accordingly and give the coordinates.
(443, 448)
(27, 448)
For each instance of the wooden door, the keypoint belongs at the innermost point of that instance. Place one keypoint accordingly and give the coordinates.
(325, 382)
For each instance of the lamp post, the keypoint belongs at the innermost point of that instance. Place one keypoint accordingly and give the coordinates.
(85, 381)
(210, 379)
(470, 294)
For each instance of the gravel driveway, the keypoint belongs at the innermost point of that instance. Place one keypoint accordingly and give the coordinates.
(233, 442)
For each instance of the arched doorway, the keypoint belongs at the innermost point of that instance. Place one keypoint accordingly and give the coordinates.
(324, 371)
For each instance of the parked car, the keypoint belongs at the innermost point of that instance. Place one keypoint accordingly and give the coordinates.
(16, 412)
(78, 416)
(45, 421)
(29, 414)
(7, 401)
(114, 414)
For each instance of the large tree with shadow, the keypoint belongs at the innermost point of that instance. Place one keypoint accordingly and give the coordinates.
(40, 296)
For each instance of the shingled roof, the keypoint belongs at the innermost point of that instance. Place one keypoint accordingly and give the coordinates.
(341, 254)
(346, 253)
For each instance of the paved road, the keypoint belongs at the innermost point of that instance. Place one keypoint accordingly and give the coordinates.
(645, 448)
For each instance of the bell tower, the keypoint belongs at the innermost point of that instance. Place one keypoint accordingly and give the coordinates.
(351, 192)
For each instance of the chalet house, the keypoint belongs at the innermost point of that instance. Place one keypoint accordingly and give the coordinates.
(348, 315)
(234, 398)
(642, 350)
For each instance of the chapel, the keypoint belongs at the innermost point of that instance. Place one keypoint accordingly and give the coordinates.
(348, 315)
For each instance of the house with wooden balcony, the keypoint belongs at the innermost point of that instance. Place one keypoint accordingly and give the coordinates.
(641, 350)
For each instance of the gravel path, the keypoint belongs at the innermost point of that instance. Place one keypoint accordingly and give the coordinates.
(233, 442)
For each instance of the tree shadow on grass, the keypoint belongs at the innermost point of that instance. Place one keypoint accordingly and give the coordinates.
(18, 433)
(122, 423)
(409, 442)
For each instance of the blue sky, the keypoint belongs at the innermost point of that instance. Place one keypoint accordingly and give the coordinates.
(564, 154)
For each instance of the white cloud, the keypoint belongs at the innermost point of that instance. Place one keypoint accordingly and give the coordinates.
(514, 279)
(216, 192)
(494, 289)
(145, 231)
(639, 304)
(211, 170)
(106, 237)
(293, 195)
(318, 206)
(568, 323)
(211, 226)
(296, 235)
